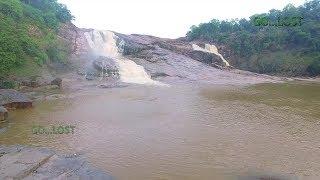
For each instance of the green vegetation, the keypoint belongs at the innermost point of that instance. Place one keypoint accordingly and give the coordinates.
(28, 34)
(285, 50)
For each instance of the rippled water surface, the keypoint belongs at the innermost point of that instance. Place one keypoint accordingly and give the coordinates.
(184, 132)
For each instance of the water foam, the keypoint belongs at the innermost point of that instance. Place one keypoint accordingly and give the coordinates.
(104, 43)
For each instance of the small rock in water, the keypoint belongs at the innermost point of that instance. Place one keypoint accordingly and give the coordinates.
(89, 77)
(3, 113)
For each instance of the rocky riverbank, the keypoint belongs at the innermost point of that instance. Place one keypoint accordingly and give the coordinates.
(3, 114)
(21, 162)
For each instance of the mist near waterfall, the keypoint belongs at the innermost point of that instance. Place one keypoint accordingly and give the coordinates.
(107, 44)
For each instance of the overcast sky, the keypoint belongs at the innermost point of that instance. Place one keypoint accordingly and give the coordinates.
(163, 18)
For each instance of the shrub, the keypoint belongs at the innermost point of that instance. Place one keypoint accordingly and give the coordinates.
(314, 68)
(12, 8)
(51, 20)
(7, 85)
(19, 42)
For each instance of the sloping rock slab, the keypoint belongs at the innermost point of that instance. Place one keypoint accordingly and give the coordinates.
(19, 162)
(60, 167)
(10, 98)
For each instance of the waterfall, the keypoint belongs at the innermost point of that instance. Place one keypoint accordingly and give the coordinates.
(104, 43)
(211, 49)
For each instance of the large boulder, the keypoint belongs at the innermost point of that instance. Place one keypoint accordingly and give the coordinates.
(205, 57)
(3, 113)
(106, 65)
(12, 99)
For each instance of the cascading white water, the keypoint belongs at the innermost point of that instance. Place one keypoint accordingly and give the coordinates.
(103, 43)
(211, 49)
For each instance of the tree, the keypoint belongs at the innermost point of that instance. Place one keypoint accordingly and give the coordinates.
(12, 8)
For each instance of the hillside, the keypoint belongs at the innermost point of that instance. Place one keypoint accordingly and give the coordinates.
(29, 37)
(280, 42)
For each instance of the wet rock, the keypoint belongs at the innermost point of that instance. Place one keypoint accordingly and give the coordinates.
(35, 81)
(12, 99)
(107, 66)
(159, 74)
(105, 63)
(57, 81)
(204, 57)
(131, 47)
(90, 76)
(19, 162)
(91, 73)
(135, 44)
(265, 177)
(3, 113)
(19, 165)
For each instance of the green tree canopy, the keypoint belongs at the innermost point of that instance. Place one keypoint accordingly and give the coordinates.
(28, 30)
(247, 40)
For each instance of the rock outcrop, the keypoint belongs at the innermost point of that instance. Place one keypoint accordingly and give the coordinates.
(12, 99)
(3, 113)
(146, 49)
(174, 60)
(168, 60)
(74, 37)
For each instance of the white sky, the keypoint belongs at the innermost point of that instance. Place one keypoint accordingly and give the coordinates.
(163, 18)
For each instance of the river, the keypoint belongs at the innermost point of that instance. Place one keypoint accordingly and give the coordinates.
(184, 132)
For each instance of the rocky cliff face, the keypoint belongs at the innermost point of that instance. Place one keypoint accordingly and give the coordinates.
(75, 38)
(136, 46)
(164, 59)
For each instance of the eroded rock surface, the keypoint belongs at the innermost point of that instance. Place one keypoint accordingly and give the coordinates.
(20, 162)
(176, 61)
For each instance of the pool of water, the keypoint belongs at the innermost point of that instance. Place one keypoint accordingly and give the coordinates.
(184, 132)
